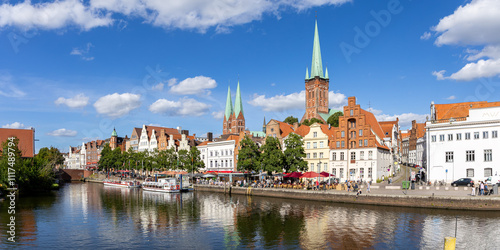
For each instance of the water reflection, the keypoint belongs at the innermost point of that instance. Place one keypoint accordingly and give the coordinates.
(91, 215)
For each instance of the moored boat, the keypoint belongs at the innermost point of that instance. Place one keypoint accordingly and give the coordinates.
(164, 185)
(126, 184)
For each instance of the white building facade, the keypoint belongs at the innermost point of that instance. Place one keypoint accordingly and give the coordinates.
(464, 147)
(360, 163)
(218, 156)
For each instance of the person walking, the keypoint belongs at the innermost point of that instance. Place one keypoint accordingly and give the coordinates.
(473, 193)
(367, 186)
(481, 188)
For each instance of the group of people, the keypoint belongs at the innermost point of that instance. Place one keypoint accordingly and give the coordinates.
(482, 189)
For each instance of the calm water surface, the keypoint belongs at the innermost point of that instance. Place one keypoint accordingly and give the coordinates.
(90, 215)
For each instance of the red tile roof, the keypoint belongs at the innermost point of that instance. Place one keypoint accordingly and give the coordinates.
(303, 130)
(285, 128)
(203, 143)
(372, 121)
(457, 110)
(25, 136)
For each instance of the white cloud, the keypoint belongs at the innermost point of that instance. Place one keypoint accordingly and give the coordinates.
(425, 36)
(474, 24)
(439, 74)
(83, 52)
(374, 111)
(293, 101)
(79, 101)
(219, 115)
(52, 15)
(158, 87)
(62, 132)
(117, 105)
(183, 107)
(8, 89)
(191, 86)
(451, 97)
(16, 125)
(404, 119)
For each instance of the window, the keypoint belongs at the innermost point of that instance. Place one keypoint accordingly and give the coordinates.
(360, 132)
(338, 144)
(485, 134)
(362, 173)
(341, 156)
(352, 112)
(487, 156)
(361, 143)
(369, 172)
(325, 165)
(433, 138)
(320, 155)
(370, 155)
(342, 134)
(211, 153)
(334, 156)
(362, 155)
(314, 155)
(353, 144)
(449, 156)
(366, 142)
(334, 171)
(353, 155)
(488, 172)
(467, 136)
(494, 134)
(470, 172)
(321, 144)
(315, 134)
(308, 145)
(459, 136)
(308, 155)
(343, 144)
(476, 135)
(469, 155)
(211, 164)
(441, 137)
(312, 166)
(450, 137)
(315, 145)
(341, 173)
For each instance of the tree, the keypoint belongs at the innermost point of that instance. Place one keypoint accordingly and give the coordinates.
(183, 159)
(294, 154)
(106, 160)
(291, 120)
(333, 120)
(117, 158)
(312, 121)
(272, 157)
(194, 157)
(248, 156)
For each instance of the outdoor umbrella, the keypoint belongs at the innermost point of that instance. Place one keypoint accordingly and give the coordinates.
(310, 174)
(208, 176)
(293, 175)
(325, 174)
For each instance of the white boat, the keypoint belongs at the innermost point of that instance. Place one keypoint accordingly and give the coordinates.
(126, 184)
(164, 185)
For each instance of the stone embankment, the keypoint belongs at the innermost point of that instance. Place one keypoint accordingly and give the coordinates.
(382, 197)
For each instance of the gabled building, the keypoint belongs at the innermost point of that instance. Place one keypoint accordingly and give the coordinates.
(462, 141)
(234, 119)
(26, 140)
(316, 147)
(416, 144)
(152, 137)
(277, 129)
(392, 137)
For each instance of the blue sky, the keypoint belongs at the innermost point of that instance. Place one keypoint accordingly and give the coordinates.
(74, 70)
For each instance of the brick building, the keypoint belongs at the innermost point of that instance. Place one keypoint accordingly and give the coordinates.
(26, 140)
(234, 119)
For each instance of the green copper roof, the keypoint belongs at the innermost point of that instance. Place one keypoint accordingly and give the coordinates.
(317, 66)
(307, 73)
(326, 73)
(238, 106)
(114, 133)
(229, 104)
(330, 113)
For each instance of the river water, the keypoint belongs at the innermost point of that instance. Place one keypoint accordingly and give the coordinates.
(89, 215)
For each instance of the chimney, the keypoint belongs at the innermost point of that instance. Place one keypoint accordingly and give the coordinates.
(185, 132)
(210, 136)
(179, 129)
(295, 125)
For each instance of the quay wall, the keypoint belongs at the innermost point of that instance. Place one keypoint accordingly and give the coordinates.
(420, 201)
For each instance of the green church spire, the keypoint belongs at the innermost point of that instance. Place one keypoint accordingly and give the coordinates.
(114, 133)
(229, 104)
(307, 73)
(317, 66)
(238, 106)
(326, 73)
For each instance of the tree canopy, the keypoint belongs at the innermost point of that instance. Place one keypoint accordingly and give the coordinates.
(294, 154)
(312, 121)
(272, 157)
(248, 156)
(291, 120)
(333, 120)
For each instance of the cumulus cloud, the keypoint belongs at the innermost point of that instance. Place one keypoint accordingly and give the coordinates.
(451, 97)
(78, 101)
(52, 15)
(117, 105)
(191, 86)
(158, 87)
(425, 36)
(62, 132)
(16, 125)
(219, 115)
(83, 52)
(280, 103)
(187, 15)
(183, 107)
(474, 24)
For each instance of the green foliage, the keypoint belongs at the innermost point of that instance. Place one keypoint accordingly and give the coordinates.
(312, 121)
(167, 159)
(105, 162)
(184, 159)
(294, 154)
(248, 156)
(291, 120)
(195, 160)
(272, 156)
(333, 120)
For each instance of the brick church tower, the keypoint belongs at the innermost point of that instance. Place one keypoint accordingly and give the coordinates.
(317, 85)
(234, 119)
(113, 141)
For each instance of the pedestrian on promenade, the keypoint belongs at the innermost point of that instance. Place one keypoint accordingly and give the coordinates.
(348, 186)
(473, 193)
(367, 186)
(481, 188)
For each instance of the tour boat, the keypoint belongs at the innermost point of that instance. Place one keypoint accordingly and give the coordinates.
(165, 185)
(127, 184)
